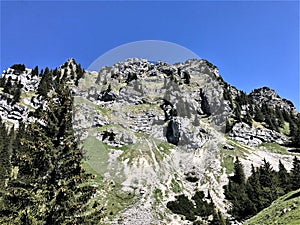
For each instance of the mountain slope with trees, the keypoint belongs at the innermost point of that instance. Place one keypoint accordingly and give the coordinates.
(141, 143)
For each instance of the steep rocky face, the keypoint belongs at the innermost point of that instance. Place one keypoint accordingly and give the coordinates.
(25, 83)
(269, 96)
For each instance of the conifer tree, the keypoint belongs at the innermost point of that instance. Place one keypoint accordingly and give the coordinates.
(295, 174)
(50, 186)
(35, 71)
(5, 154)
(45, 83)
(2, 81)
(218, 218)
(259, 116)
(283, 177)
(239, 175)
(8, 86)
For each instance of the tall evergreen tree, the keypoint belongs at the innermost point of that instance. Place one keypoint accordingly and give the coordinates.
(2, 81)
(5, 154)
(283, 177)
(239, 174)
(35, 71)
(295, 174)
(50, 186)
(8, 86)
(259, 116)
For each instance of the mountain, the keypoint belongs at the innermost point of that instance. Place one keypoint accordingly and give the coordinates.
(160, 141)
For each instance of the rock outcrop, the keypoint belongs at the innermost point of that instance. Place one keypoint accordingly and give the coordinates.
(270, 97)
(254, 136)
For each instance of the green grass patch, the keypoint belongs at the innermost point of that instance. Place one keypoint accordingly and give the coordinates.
(131, 153)
(97, 155)
(104, 111)
(115, 199)
(158, 195)
(285, 129)
(228, 163)
(239, 150)
(284, 210)
(176, 187)
(275, 148)
(80, 100)
(165, 147)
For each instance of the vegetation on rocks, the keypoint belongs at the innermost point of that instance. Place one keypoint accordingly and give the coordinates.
(139, 143)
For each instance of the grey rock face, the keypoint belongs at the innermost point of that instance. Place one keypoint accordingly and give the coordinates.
(108, 96)
(252, 136)
(269, 96)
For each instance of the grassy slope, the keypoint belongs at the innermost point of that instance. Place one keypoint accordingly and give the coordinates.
(274, 214)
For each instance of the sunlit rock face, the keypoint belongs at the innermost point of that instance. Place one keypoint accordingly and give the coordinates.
(152, 130)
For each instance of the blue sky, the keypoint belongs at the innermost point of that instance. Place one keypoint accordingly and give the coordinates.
(253, 43)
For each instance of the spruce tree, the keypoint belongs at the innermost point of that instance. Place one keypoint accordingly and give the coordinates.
(50, 183)
(259, 116)
(283, 177)
(218, 218)
(35, 71)
(8, 86)
(295, 174)
(5, 154)
(2, 81)
(239, 175)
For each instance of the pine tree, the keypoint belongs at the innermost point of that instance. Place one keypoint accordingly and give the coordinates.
(8, 86)
(2, 81)
(266, 173)
(50, 186)
(283, 177)
(295, 132)
(5, 154)
(45, 83)
(295, 174)
(239, 175)
(254, 189)
(279, 116)
(238, 110)
(17, 92)
(35, 71)
(218, 218)
(259, 116)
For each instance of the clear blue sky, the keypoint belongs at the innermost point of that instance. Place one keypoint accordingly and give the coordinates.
(254, 43)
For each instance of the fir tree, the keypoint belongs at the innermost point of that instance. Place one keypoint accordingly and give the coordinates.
(5, 154)
(218, 218)
(239, 175)
(295, 174)
(259, 116)
(50, 186)
(283, 177)
(8, 86)
(2, 81)
(35, 71)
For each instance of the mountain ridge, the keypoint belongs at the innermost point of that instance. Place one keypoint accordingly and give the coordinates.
(160, 129)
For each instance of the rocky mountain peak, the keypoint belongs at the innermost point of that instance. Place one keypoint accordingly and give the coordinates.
(270, 97)
(152, 132)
